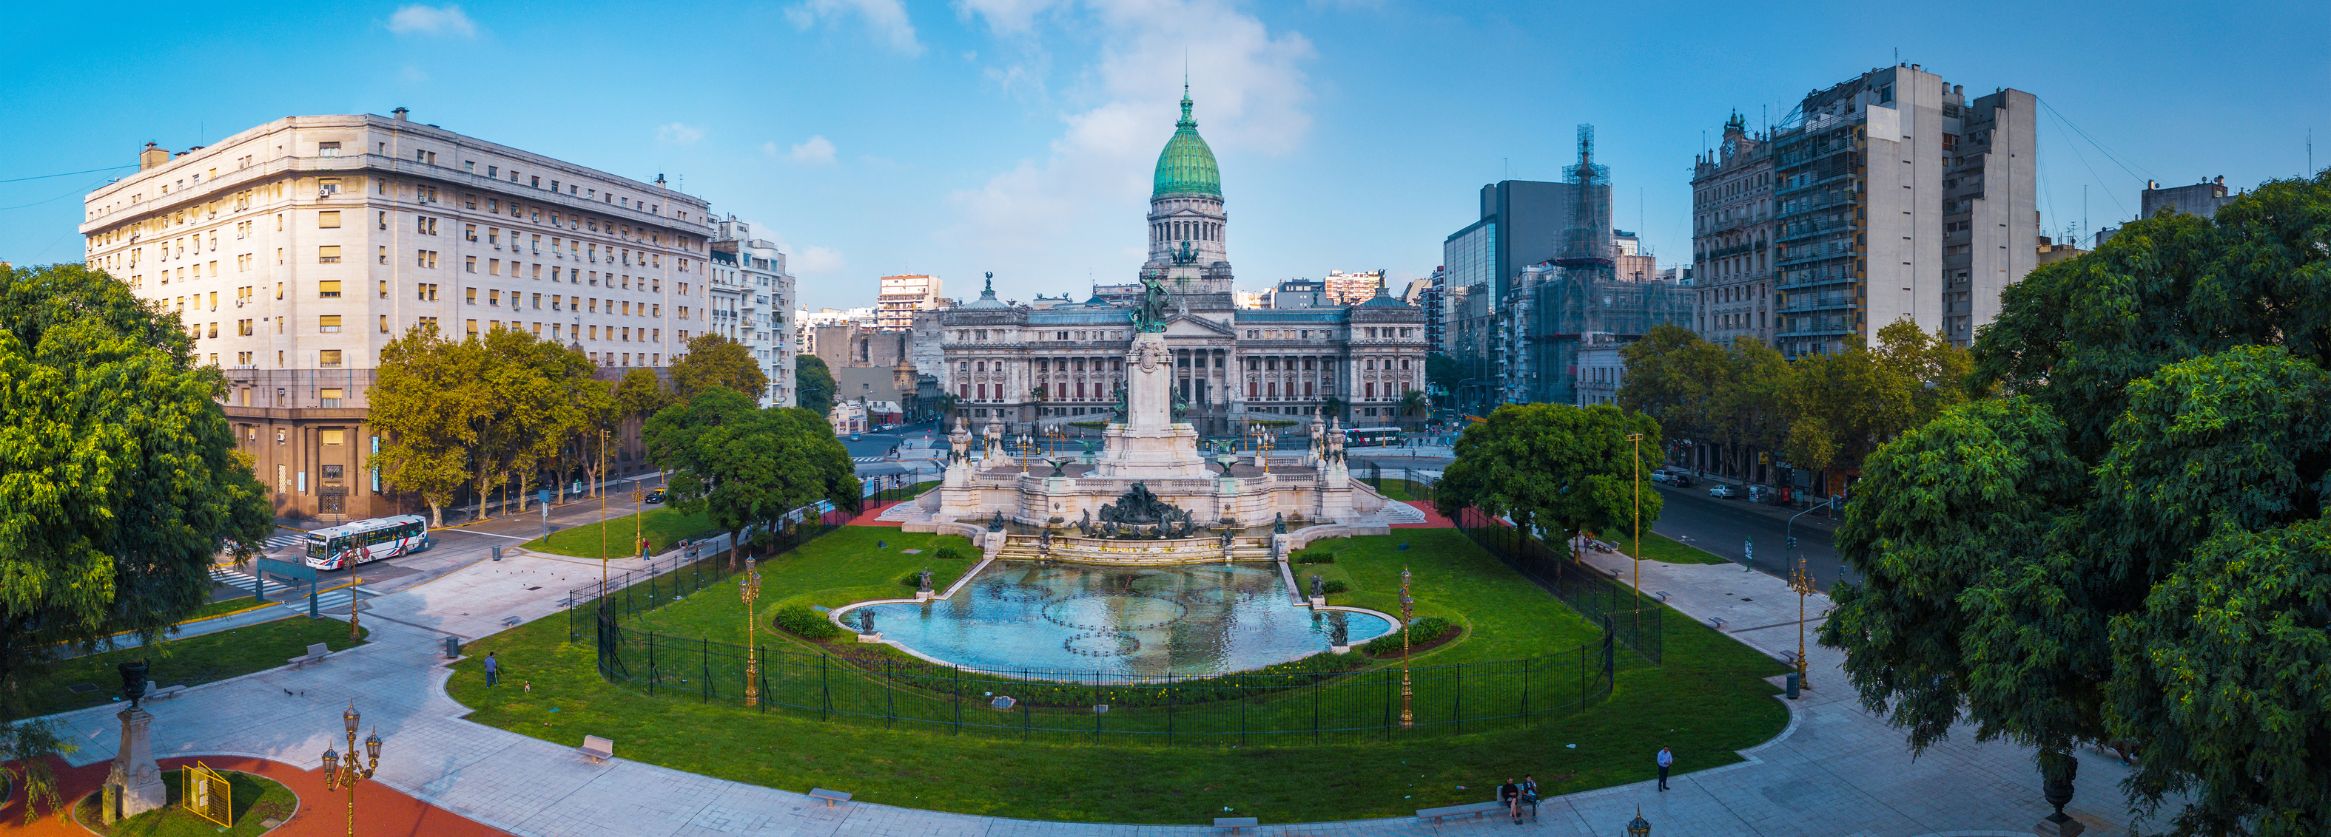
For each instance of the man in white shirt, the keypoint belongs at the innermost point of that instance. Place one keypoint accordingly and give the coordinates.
(1666, 760)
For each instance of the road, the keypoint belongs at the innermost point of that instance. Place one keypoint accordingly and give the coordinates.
(1727, 527)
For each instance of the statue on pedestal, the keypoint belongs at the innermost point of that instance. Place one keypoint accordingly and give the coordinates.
(135, 786)
(925, 584)
(1149, 314)
(959, 443)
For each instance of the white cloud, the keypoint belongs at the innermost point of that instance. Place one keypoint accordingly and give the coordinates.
(678, 133)
(432, 21)
(1006, 17)
(886, 19)
(770, 150)
(1252, 100)
(815, 151)
(815, 261)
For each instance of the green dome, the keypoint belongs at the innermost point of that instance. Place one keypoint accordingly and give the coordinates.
(1186, 166)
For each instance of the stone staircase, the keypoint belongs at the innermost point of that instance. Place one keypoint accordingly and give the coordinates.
(1136, 553)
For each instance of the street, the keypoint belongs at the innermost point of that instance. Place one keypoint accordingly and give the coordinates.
(1727, 527)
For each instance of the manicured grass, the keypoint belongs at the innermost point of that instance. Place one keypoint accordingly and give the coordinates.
(1504, 616)
(231, 605)
(1708, 701)
(1658, 547)
(663, 527)
(848, 564)
(254, 799)
(187, 661)
(1403, 490)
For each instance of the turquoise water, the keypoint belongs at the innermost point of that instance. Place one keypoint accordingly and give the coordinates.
(1068, 620)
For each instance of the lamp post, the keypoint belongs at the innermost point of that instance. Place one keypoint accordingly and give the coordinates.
(1802, 582)
(355, 603)
(1407, 615)
(750, 588)
(1636, 440)
(1639, 827)
(338, 772)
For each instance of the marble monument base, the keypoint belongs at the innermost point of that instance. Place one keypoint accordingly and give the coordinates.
(135, 785)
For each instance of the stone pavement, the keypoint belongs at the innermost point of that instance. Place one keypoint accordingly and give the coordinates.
(1836, 769)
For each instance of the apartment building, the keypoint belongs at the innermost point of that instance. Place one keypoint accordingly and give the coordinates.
(1340, 288)
(751, 297)
(898, 298)
(1896, 198)
(294, 250)
(1732, 235)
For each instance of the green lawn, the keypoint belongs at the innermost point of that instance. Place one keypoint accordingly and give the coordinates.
(1658, 547)
(187, 661)
(663, 527)
(1403, 490)
(1707, 702)
(254, 799)
(848, 564)
(230, 605)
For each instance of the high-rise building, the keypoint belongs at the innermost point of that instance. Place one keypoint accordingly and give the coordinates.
(1340, 288)
(296, 249)
(751, 298)
(1897, 199)
(1521, 223)
(1630, 261)
(2203, 199)
(1299, 293)
(1732, 234)
(900, 296)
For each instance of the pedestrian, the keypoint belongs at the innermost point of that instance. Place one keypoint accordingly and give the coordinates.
(1511, 794)
(1530, 794)
(493, 669)
(1666, 760)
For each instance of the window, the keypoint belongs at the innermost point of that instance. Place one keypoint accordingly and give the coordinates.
(329, 324)
(328, 254)
(384, 329)
(469, 264)
(328, 219)
(327, 186)
(327, 149)
(328, 289)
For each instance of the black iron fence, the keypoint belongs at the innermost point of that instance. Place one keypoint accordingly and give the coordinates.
(1404, 483)
(696, 565)
(1637, 623)
(1325, 697)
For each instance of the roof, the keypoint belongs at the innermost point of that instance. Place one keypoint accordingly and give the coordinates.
(1186, 166)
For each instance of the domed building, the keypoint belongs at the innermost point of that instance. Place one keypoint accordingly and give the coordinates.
(1058, 368)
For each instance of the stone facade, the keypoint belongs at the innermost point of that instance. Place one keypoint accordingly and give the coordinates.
(1732, 237)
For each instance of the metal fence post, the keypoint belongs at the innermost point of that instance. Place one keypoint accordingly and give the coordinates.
(958, 700)
(1171, 696)
(1526, 719)
(704, 655)
(653, 675)
(1315, 708)
(825, 697)
(889, 697)
(1460, 697)
(1097, 706)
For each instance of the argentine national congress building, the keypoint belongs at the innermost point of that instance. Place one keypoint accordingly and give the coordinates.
(1041, 367)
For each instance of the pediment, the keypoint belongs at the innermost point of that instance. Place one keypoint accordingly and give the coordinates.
(1191, 325)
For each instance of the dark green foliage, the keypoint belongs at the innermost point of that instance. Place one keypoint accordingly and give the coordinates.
(1424, 631)
(1333, 586)
(119, 481)
(743, 465)
(951, 552)
(2131, 547)
(1314, 556)
(802, 621)
(1555, 469)
(813, 384)
(716, 361)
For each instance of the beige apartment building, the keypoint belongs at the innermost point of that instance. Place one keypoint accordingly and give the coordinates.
(294, 250)
(900, 296)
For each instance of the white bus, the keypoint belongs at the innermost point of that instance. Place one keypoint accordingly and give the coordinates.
(367, 540)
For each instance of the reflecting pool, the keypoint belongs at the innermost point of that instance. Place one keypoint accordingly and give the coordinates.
(1148, 621)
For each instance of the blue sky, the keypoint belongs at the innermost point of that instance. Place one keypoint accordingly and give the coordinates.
(1017, 136)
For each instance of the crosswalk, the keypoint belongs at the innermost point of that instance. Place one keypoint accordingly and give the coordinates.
(331, 601)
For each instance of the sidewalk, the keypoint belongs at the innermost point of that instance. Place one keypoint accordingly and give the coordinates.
(1836, 769)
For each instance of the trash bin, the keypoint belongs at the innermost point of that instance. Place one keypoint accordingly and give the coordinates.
(1793, 677)
(453, 652)
(497, 553)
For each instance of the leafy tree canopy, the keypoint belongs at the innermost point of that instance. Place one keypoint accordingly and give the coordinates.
(119, 479)
(743, 465)
(813, 384)
(716, 361)
(1555, 469)
(2131, 546)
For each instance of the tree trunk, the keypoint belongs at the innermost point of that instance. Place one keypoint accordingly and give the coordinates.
(436, 516)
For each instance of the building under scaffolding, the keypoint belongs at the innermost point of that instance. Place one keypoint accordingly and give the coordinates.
(1556, 304)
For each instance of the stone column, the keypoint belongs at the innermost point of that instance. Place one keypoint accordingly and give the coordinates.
(136, 781)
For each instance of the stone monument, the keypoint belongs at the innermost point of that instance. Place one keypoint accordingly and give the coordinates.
(1149, 443)
(135, 785)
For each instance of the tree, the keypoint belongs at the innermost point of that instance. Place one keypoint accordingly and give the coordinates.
(119, 482)
(1443, 374)
(1554, 468)
(1331, 407)
(813, 384)
(716, 361)
(640, 394)
(539, 390)
(1843, 406)
(1415, 405)
(1751, 413)
(2154, 564)
(1676, 378)
(426, 402)
(746, 466)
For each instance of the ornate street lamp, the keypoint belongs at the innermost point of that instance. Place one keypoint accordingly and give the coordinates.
(750, 587)
(340, 773)
(1639, 827)
(1407, 615)
(1802, 582)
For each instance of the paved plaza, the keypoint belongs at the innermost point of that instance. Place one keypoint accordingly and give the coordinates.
(1836, 769)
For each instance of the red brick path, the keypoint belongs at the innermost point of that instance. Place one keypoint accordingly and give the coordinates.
(1433, 518)
(379, 809)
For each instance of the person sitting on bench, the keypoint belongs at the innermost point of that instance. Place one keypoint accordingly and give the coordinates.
(1511, 794)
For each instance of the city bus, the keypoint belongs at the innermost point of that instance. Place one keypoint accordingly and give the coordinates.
(1361, 437)
(367, 540)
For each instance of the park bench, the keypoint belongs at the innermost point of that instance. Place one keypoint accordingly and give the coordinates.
(1236, 824)
(509, 621)
(830, 796)
(1470, 809)
(596, 749)
(316, 653)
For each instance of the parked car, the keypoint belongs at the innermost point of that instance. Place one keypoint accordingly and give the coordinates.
(655, 496)
(1680, 479)
(1661, 477)
(1723, 491)
(1761, 494)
